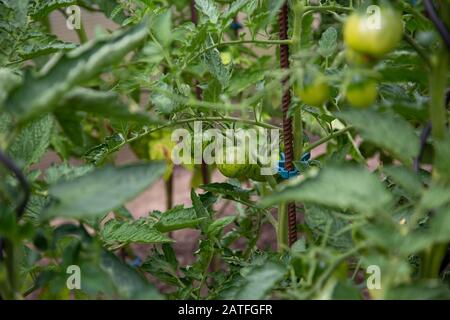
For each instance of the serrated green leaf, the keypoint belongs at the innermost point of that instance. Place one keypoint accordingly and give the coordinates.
(158, 267)
(105, 104)
(405, 178)
(209, 8)
(102, 190)
(162, 28)
(260, 280)
(424, 290)
(178, 218)
(435, 196)
(323, 223)
(45, 7)
(328, 42)
(32, 142)
(65, 172)
(20, 11)
(344, 187)
(129, 283)
(162, 101)
(217, 226)
(200, 210)
(45, 45)
(214, 64)
(8, 81)
(98, 154)
(235, 7)
(117, 233)
(386, 130)
(229, 190)
(42, 93)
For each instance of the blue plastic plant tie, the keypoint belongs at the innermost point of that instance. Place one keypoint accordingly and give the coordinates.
(236, 25)
(136, 262)
(286, 174)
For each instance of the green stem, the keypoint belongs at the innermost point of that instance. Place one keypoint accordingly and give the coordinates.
(421, 51)
(438, 84)
(12, 268)
(81, 33)
(295, 48)
(236, 42)
(282, 232)
(412, 10)
(189, 120)
(309, 9)
(326, 139)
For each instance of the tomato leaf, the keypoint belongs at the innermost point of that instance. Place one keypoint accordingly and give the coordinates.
(386, 130)
(43, 92)
(344, 187)
(102, 190)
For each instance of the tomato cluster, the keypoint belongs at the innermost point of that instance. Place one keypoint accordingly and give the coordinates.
(369, 38)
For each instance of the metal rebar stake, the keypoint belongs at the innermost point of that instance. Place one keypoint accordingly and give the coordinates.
(287, 121)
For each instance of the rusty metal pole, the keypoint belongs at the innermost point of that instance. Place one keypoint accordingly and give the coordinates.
(198, 93)
(287, 121)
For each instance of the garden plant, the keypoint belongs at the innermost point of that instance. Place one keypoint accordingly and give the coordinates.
(353, 99)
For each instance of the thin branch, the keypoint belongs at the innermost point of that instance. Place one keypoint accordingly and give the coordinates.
(326, 139)
(237, 42)
(421, 51)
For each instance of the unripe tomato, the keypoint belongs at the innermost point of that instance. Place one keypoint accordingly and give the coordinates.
(230, 167)
(372, 34)
(254, 173)
(362, 93)
(315, 90)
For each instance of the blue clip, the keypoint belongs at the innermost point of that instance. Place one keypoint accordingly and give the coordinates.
(136, 263)
(286, 174)
(236, 25)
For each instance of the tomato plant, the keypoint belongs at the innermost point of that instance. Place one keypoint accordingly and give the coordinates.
(350, 97)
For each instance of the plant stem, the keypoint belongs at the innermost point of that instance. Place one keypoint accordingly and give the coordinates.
(295, 48)
(421, 51)
(438, 84)
(326, 139)
(282, 232)
(308, 9)
(81, 33)
(237, 42)
(182, 121)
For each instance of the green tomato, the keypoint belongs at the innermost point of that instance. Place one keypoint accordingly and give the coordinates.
(373, 34)
(230, 167)
(254, 173)
(315, 90)
(362, 93)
